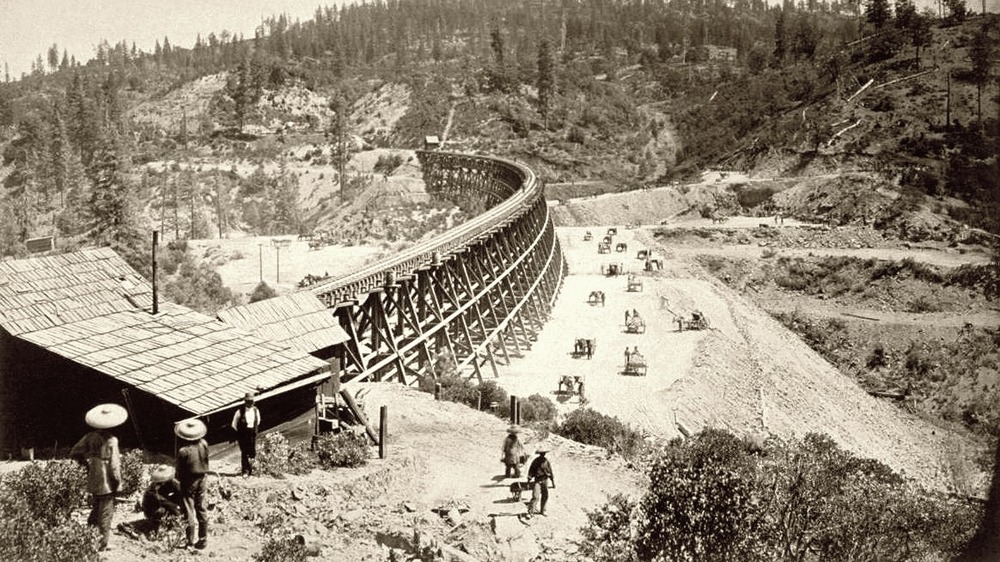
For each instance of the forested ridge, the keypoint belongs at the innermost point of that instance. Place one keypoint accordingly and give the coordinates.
(632, 93)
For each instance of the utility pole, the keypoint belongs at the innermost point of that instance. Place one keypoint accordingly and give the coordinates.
(260, 261)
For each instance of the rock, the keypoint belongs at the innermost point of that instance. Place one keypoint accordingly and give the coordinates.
(273, 497)
(297, 494)
(409, 507)
(352, 515)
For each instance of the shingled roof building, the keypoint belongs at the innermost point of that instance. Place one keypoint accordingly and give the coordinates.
(298, 320)
(77, 329)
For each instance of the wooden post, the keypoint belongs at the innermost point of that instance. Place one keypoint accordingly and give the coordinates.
(479, 401)
(517, 410)
(437, 391)
(513, 409)
(383, 419)
(156, 300)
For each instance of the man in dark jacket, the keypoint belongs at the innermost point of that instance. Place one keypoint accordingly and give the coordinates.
(246, 422)
(191, 467)
(540, 473)
(163, 496)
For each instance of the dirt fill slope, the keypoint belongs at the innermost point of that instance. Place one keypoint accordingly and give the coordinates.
(751, 370)
(720, 377)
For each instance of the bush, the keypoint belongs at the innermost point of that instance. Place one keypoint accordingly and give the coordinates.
(262, 292)
(594, 428)
(712, 497)
(493, 393)
(537, 408)
(387, 164)
(276, 457)
(49, 491)
(35, 507)
(877, 358)
(133, 473)
(342, 450)
(282, 550)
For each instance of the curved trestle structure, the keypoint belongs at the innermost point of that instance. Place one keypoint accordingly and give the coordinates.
(479, 292)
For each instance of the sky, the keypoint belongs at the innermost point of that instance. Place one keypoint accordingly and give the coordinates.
(29, 27)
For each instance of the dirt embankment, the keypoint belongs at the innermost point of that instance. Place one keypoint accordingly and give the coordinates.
(745, 374)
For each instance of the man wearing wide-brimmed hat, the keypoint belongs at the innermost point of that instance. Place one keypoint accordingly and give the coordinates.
(513, 451)
(163, 496)
(98, 451)
(192, 466)
(246, 423)
(539, 474)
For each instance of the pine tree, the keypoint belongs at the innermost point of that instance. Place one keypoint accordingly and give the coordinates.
(878, 13)
(546, 80)
(244, 88)
(53, 55)
(110, 207)
(780, 41)
(981, 54)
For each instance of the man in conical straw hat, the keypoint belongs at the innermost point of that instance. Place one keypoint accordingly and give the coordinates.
(540, 474)
(98, 451)
(163, 497)
(512, 451)
(191, 468)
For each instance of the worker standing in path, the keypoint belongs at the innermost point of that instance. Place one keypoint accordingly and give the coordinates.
(539, 474)
(191, 468)
(246, 423)
(628, 355)
(512, 451)
(98, 452)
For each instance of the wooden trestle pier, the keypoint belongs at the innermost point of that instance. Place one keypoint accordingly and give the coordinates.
(481, 291)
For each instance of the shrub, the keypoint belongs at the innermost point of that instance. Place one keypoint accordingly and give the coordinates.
(133, 473)
(342, 450)
(387, 164)
(491, 393)
(49, 491)
(798, 500)
(282, 550)
(276, 457)
(609, 535)
(877, 358)
(594, 428)
(921, 304)
(35, 507)
(262, 292)
(537, 408)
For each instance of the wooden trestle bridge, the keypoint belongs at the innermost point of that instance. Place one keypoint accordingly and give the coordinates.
(479, 292)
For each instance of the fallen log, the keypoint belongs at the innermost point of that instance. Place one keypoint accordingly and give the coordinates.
(852, 315)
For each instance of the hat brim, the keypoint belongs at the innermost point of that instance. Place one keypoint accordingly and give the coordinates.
(513, 429)
(190, 430)
(161, 474)
(106, 416)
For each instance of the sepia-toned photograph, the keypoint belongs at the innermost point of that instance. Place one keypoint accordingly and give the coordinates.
(362, 280)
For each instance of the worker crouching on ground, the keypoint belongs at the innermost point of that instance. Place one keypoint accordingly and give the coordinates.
(98, 452)
(161, 499)
(246, 423)
(539, 474)
(192, 466)
(163, 496)
(513, 452)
